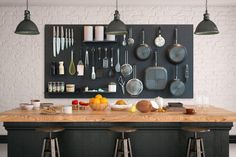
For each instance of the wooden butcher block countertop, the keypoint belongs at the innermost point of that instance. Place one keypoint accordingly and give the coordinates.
(209, 114)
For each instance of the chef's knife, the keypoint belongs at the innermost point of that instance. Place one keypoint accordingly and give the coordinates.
(66, 38)
(54, 42)
(86, 60)
(69, 37)
(62, 39)
(58, 40)
(72, 37)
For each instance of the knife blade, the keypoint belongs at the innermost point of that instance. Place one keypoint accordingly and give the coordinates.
(86, 60)
(72, 37)
(69, 37)
(58, 40)
(62, 39)
(112, 65)
(54, 41)
(66, 38)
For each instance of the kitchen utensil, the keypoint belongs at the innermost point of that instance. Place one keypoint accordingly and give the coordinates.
(72, 69)
(72, 37)
(177, 52)
(159, 40)
(93, 74)
(54, 41)
(124, 43)
(67, 39)
(58, 40)
(134, 86)
(130, 40)
(100, 70)
(80, 66)
(62, 39)
(186, 74)
(156, 77)
(122, 84)
(126, 69)
(117, 67)
(143, 52)
(177, 87)
(105, 63)
(86, 60)
(111, 70)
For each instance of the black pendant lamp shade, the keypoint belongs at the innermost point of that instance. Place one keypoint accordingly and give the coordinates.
(206, 27)
(116, 27)
(27, 27)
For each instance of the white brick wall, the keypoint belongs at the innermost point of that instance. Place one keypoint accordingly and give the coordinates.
(22, 57)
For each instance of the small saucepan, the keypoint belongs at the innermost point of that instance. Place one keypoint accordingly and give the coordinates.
(177, 87)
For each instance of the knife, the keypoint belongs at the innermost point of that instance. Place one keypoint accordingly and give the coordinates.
(69, 37)
(62, 39)
(112, 65)
(72, 37)
(58, 40)
(54, 42)
(66, 38)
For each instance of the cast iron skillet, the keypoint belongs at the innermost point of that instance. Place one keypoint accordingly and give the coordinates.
(177, 52)
(177, 87)
(143, 51)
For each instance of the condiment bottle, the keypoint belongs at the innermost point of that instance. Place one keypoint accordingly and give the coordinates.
(75, 106)
(61, 68)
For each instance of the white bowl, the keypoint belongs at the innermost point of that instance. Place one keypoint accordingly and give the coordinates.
(26, 106)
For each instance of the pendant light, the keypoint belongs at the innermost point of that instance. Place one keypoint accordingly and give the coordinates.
(27, 27)
(206, 27)
(116, 27)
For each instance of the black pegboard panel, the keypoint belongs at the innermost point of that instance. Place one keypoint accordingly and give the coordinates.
(185, 38)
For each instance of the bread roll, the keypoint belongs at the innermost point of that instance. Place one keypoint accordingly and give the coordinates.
(144, 106)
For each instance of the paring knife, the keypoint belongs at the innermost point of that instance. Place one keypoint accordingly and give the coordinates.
(72, 37)
(54, 41)
(66, 38)
(62, 39)
(69, 37)
(58, 40)
(112, 64)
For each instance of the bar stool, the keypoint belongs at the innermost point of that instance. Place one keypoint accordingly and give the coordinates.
(195, 144)
(123, 144)
(50, 144)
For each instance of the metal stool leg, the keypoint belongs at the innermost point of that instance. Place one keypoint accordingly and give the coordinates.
(188, 147)
(203, 149)
(57, 148)
(116, 147)
(53, 151)
(125, 145)
(43, 149)
(130, 149)
(198, 147)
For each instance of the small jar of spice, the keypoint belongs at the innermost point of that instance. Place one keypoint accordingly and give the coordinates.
(75, 105)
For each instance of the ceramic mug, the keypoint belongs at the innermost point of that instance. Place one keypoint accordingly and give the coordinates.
(35, 103)
(99, 33)
(67, 109)
(88, 33)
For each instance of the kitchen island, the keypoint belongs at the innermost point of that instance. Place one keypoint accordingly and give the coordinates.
(87, 132)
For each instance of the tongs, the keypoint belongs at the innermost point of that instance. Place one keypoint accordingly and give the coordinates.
(122, 84)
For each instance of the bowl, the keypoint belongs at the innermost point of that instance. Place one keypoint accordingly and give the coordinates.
(98, 107)
(118, 107)
(26, 106)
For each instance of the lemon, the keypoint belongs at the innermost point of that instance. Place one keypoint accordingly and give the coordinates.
(133, 108)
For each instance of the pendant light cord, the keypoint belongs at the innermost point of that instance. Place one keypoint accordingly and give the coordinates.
(116, 4)
(27, 5)
(206, 6)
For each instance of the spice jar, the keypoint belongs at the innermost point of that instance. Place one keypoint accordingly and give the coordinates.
(112, 87)
(49, 87)
(75, 106)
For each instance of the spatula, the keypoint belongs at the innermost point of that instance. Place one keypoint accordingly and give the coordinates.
(105, 61)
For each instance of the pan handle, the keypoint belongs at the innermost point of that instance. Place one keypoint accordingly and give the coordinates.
(143, 36)
(126, 57)
(134, 72)
(159, 30)
(176, 72)
(176, 35)
(156, 58)
(130, 32)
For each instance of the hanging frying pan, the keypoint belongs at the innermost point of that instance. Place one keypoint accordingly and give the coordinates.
(177, 87)
(155, 77)
(143, 52)
(177, 52)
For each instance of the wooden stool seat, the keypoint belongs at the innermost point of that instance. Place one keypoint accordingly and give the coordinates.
(123, 129)
(195, 129)
(50, 129)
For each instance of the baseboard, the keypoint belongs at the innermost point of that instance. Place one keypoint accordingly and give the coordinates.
(3, 139)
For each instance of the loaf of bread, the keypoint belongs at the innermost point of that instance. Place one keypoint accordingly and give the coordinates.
(144, 106)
